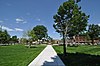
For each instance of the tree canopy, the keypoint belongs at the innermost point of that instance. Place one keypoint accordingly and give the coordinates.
(32, 35)
(4, 37)
(14, 39)
(94, 32)
(40, 31)
(70, 18)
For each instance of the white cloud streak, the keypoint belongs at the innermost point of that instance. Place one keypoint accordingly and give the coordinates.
(18, 29)
(24, 22)
(38, 19)
(19, 20)
(1, 21)
(7, 28)
(10, 29)
(99, 24)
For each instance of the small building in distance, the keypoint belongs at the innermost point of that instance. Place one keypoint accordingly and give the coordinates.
(81, 39)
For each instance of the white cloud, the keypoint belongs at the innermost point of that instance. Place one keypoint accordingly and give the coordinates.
(99, 24)
(38, 19)
(24, 22)
(1, 21)
(19, 20)
(7, 28)
(18, 29)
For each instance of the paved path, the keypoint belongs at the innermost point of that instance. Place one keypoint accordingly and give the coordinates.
(48, 57)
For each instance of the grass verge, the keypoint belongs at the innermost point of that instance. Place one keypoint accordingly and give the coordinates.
(80, 56)
(18, 55)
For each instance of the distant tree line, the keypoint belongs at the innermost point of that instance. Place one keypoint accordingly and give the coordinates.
(38, 33)
(5, 38)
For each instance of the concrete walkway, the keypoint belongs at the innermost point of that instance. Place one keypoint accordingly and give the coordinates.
(48, 57)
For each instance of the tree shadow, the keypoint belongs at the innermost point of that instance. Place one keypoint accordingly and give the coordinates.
(80, 59)
(55, 62)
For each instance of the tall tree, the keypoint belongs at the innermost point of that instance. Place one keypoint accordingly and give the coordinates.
(70, 20)
(23, 41)
(31, 34)
(40, 31)
(14, 39)
(4, 37)
(49, 40)
(7, 36)
(94, 32)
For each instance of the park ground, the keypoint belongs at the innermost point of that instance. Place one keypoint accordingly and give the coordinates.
(80, 56)
(18, 55)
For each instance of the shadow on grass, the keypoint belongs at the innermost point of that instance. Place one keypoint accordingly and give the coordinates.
(80, 59)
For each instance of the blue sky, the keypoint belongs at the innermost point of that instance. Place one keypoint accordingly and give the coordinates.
(18, 16)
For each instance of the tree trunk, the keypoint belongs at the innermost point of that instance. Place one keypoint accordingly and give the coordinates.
(64, 45)
(29, 45)
(78, 39)
(39, 41)
(92, 41)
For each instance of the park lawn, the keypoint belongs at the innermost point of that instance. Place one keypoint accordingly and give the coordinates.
(18, 55)
(80, 56)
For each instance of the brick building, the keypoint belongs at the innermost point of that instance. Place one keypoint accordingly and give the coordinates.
(83, 39)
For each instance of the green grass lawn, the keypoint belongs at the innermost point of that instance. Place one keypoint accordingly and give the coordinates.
(80, 56)
(18, 55)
